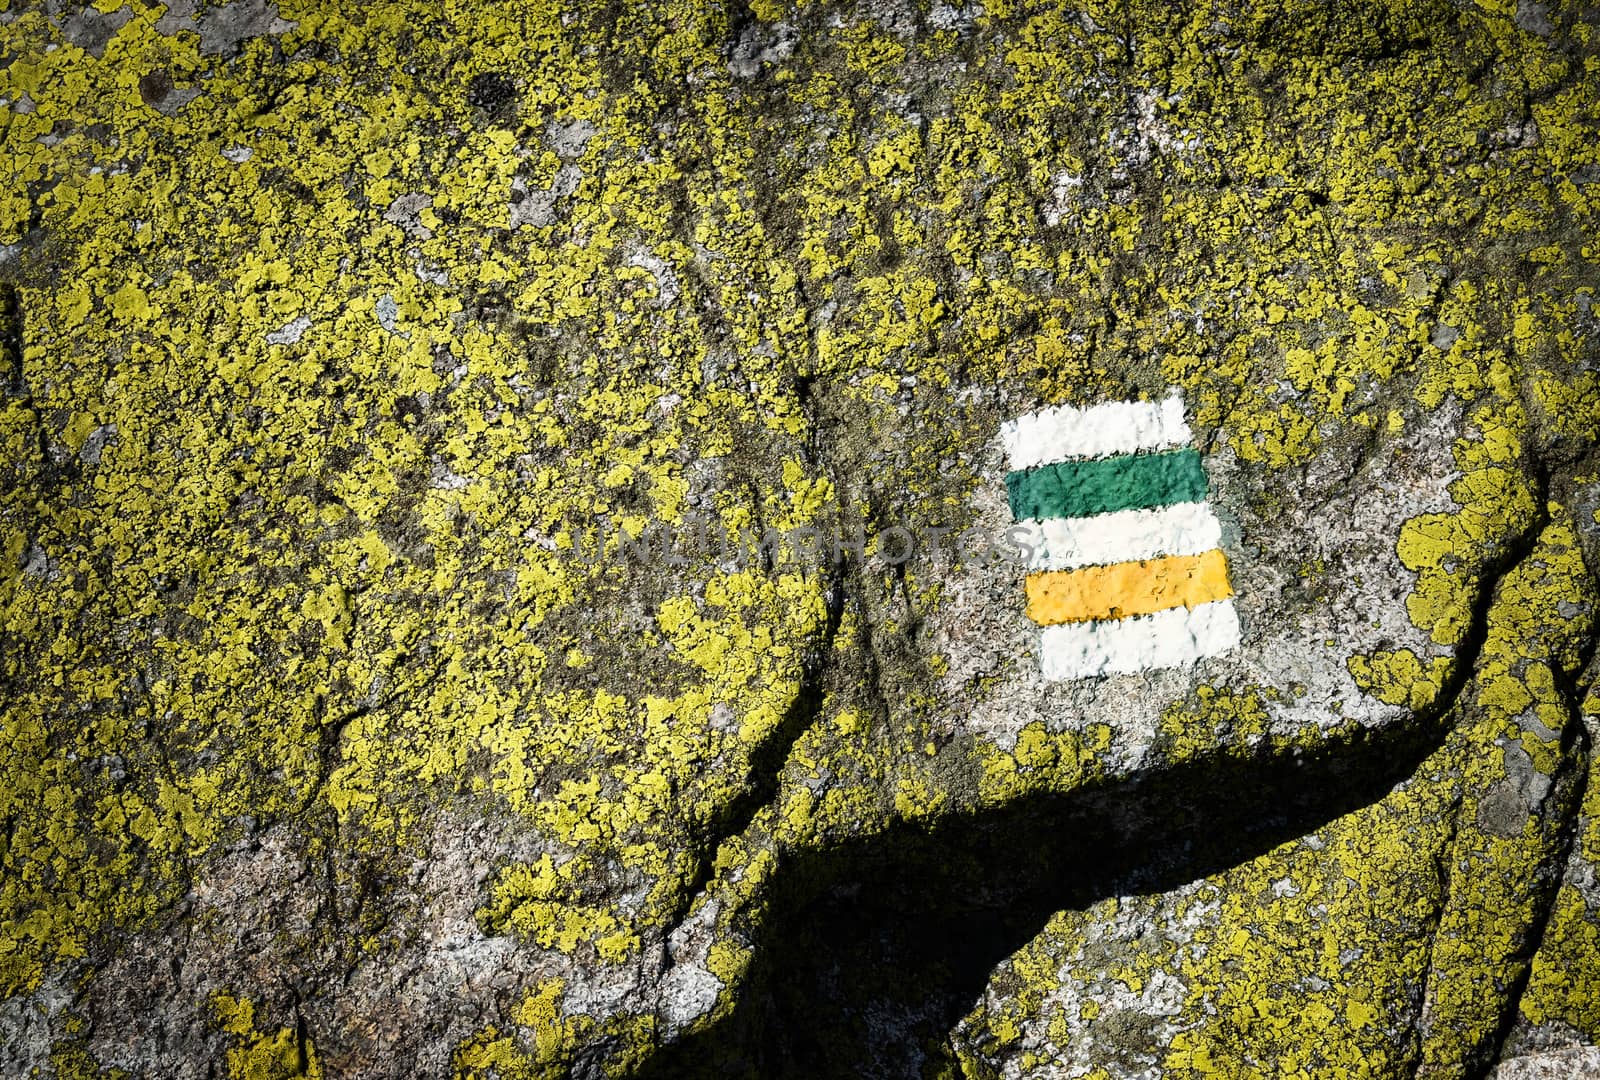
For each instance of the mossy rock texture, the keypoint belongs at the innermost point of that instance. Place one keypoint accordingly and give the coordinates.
(381, 385)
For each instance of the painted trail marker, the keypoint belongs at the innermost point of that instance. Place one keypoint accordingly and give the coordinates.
(1126, 573)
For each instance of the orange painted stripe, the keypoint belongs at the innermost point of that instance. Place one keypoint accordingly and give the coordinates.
(1127, 588)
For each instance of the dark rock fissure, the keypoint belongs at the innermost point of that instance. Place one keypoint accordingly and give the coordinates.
(767, 759)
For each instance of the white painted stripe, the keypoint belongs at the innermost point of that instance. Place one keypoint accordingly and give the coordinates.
(1121, 536)
(1114, 427)
(1171, 638)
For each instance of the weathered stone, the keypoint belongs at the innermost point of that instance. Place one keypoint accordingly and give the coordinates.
(410, 414)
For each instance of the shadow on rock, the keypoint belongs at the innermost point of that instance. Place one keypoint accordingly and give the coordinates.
(873, 950)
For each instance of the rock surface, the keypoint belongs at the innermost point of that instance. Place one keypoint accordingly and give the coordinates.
(352, 730)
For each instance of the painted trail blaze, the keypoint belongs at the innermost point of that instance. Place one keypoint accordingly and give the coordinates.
(1126, 572)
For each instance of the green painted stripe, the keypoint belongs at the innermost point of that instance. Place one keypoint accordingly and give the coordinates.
(1101, 485)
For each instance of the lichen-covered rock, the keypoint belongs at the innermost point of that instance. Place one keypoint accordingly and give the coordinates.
(401, 407)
